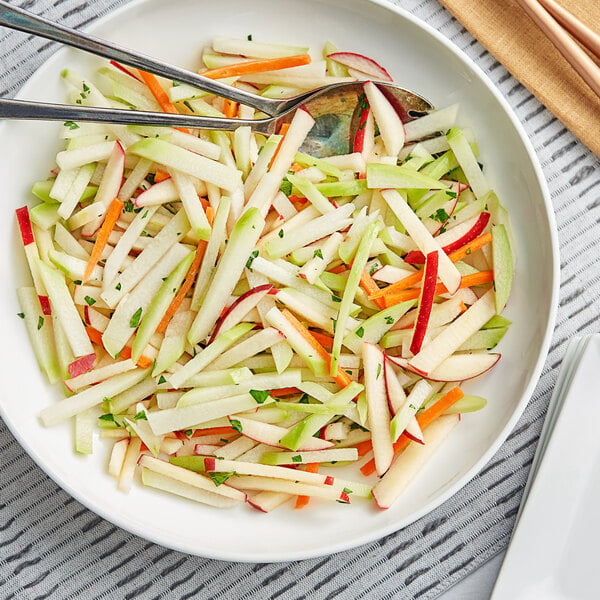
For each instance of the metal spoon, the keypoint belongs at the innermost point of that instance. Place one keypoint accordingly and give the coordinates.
(334, 107)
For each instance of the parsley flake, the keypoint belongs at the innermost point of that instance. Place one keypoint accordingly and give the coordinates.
(281, 233)
(162, 379)
(90, 301)
(259, 395)
(135, 319)
(318, 254)
(71, 125)
(219, 478)
(378, 371)
(236, 425)
(141, 416)
(389, 320)
(22, 315)
(251, 258)
(297, 458)
(286, 187)
(40, 323)
(360, 332)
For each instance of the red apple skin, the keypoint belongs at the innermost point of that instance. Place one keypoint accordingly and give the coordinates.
(261, 288)
(81, 365)
(413, 438)
(472, 375)
(329, 480)
(344, 498)
(25, 226)
(209, 464)
(361, 63)
(382, 507)
(256, 506)
(45, 304)
(425, 301)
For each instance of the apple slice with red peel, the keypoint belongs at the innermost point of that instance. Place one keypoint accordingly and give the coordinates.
(447, 271)
(108, 189)
(433, 354)
(419, 393)
(425, 301)
(82, 365)
(268, 501)
(32, 253)
(410, 463)
(455, 238)
(393, 388)
(361, 63)
(378, 411)
(414, 432)
(240, 308)
(391, 127)
(270, 435)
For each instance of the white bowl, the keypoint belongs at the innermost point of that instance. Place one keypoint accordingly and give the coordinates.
(420, 59)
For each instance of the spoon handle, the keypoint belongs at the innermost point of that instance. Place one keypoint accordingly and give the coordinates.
(40, 111)
(21, 20)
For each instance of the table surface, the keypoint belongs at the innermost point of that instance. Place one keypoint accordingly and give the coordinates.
(51, 546)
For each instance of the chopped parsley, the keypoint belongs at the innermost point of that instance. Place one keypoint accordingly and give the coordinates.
(162, 379)
(118, 287)
(389, 320)
(135, 319)
(259, 395)
(318, 253)
(22, 315)
(378, 371)
(286, 187)
(77, 282)
(281, 233)
(297, 458)
(236, 425)
(71, 125)
(249, 37)
(40, 323)
(440, 215)
(141, 416)
(347, 490)
(109, 418)
(219, 478)
(360, 332)
(335, 298)
(90, 301)
(251, 258)
(304, 399)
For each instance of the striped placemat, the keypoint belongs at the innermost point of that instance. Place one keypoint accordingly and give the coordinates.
(53, 547)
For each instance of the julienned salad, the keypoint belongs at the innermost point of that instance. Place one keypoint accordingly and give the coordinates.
(238, 318)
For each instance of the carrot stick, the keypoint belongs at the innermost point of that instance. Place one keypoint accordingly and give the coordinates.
(282, 131)
(210, 214)
(160, 176)
(368, 284)
(112, 216)
(440, 288)
(325, 340)
(185, 288)
(161, 96)
(213, 431)
(413, 279)
(341, 376)
(424, 419)
(303, 500)
(364, 447)
(287, 391)
(339, 269)
(257, 66)
(96, 336)
(230, 108)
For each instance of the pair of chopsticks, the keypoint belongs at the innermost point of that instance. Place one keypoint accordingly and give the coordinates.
(557, 23)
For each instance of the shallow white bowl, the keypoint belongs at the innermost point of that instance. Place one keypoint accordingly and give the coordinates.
(420, 59)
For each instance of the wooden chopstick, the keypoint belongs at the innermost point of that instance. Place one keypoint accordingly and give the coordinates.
(588, 70)
(580, 31)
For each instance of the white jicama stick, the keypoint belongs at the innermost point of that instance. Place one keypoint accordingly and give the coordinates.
(261, 165)
(282, 204)
(235, 449)
(258, 342)
(437, 120)
(120, 252)
(64, 309)
(241, 243)
(134, 179)
(390, 126)
(313, 195)
(269, 434)
(317, 229)
(295, 223)
(170, 234)
(268, 186)
(466, 159)
(255, 49)
(71, 159)
(188, 477)
(179, 488)
(409, 464)
(175, 419)
(72, 197)
(250, 482)
(191, 204)
(455, 335)
(117, 457)
(188, 162)
(89, 397)
(129, 464)
(181, 139)
(419, 393)
(317, 456)
(96, 375)
(448, 273)
(314, 267)
(378, 411)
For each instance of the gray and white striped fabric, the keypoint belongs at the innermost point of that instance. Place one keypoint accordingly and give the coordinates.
(52, 547)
